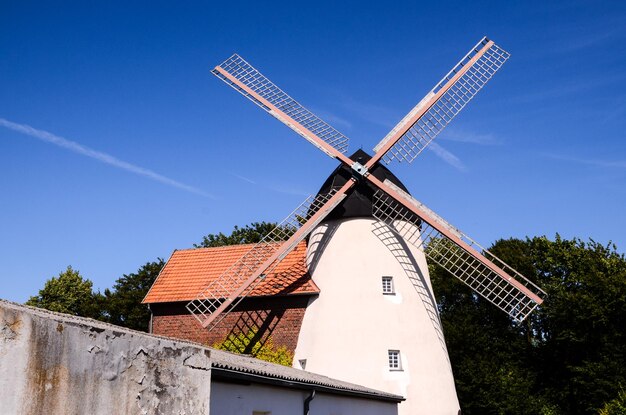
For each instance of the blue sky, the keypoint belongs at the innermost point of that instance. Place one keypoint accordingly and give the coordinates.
(118, 146)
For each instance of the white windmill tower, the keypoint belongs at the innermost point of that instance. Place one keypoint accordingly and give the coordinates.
(375, 321)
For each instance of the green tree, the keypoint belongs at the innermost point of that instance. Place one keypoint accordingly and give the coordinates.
(252, 233)
(580, 328)
(122, 304)
(566, 358)
(492, 369)
(68, 293)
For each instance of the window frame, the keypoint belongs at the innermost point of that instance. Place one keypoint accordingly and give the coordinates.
(387, 281)
(394, 360)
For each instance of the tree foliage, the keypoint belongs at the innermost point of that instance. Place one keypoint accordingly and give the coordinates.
(250, 343)
(68, 293)
(72, 294)
(566, 358)
(249, 234)
(616, 406)
(122, 304)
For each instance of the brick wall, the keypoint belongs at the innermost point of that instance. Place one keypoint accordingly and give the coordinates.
(278, 317)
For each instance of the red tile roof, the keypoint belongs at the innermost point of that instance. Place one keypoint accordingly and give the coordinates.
(189, 271)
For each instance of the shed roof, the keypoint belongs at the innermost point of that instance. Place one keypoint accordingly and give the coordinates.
(189, 271)
(230, 365)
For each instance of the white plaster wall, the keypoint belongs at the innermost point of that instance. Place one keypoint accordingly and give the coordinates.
(324, 404)
(56, 364)
(234, 399)
(347, 331)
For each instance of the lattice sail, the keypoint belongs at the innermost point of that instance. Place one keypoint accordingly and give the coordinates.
(482, 271)
(245, 73)
(251, 264)
(447, 106)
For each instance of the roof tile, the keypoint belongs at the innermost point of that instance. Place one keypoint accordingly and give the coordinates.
(189, 271)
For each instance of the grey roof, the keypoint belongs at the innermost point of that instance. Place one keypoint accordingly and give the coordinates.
(227, 364)
(266, 372)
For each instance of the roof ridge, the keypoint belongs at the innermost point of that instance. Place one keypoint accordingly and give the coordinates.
(203, 248)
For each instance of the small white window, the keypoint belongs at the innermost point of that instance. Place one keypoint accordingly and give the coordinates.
(388, 286)
(394, 360)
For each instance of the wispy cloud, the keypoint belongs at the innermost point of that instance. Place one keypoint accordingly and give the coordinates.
(387, 117)
(469, 137)
(346, 104)
(382, 116)
(616, 112)
(243, 178)
(333, 119)
(587, 41)
(286, 189)
(574, 39)
(563, 90)
(272, 187)
(620, 164)
(97, 155)
(446, 156)
(375, 114)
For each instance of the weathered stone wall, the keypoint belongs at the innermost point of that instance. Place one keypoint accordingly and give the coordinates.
(53, 363)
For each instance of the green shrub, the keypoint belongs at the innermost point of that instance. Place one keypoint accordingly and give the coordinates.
(250, 344)
(616, 406)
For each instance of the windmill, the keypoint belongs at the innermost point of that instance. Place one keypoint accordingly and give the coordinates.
(346, 253)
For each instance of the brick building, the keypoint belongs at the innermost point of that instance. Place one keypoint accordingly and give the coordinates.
(275, 308)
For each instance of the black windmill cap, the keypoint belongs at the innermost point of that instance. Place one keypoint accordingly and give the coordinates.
(358, 203)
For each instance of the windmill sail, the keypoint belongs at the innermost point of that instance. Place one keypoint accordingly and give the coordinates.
(435, 111)
(447, 246)
(224, 293)
(444, 244)
(248, 81)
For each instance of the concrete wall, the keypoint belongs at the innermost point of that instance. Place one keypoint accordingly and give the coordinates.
(234, 399)
(56, 364)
